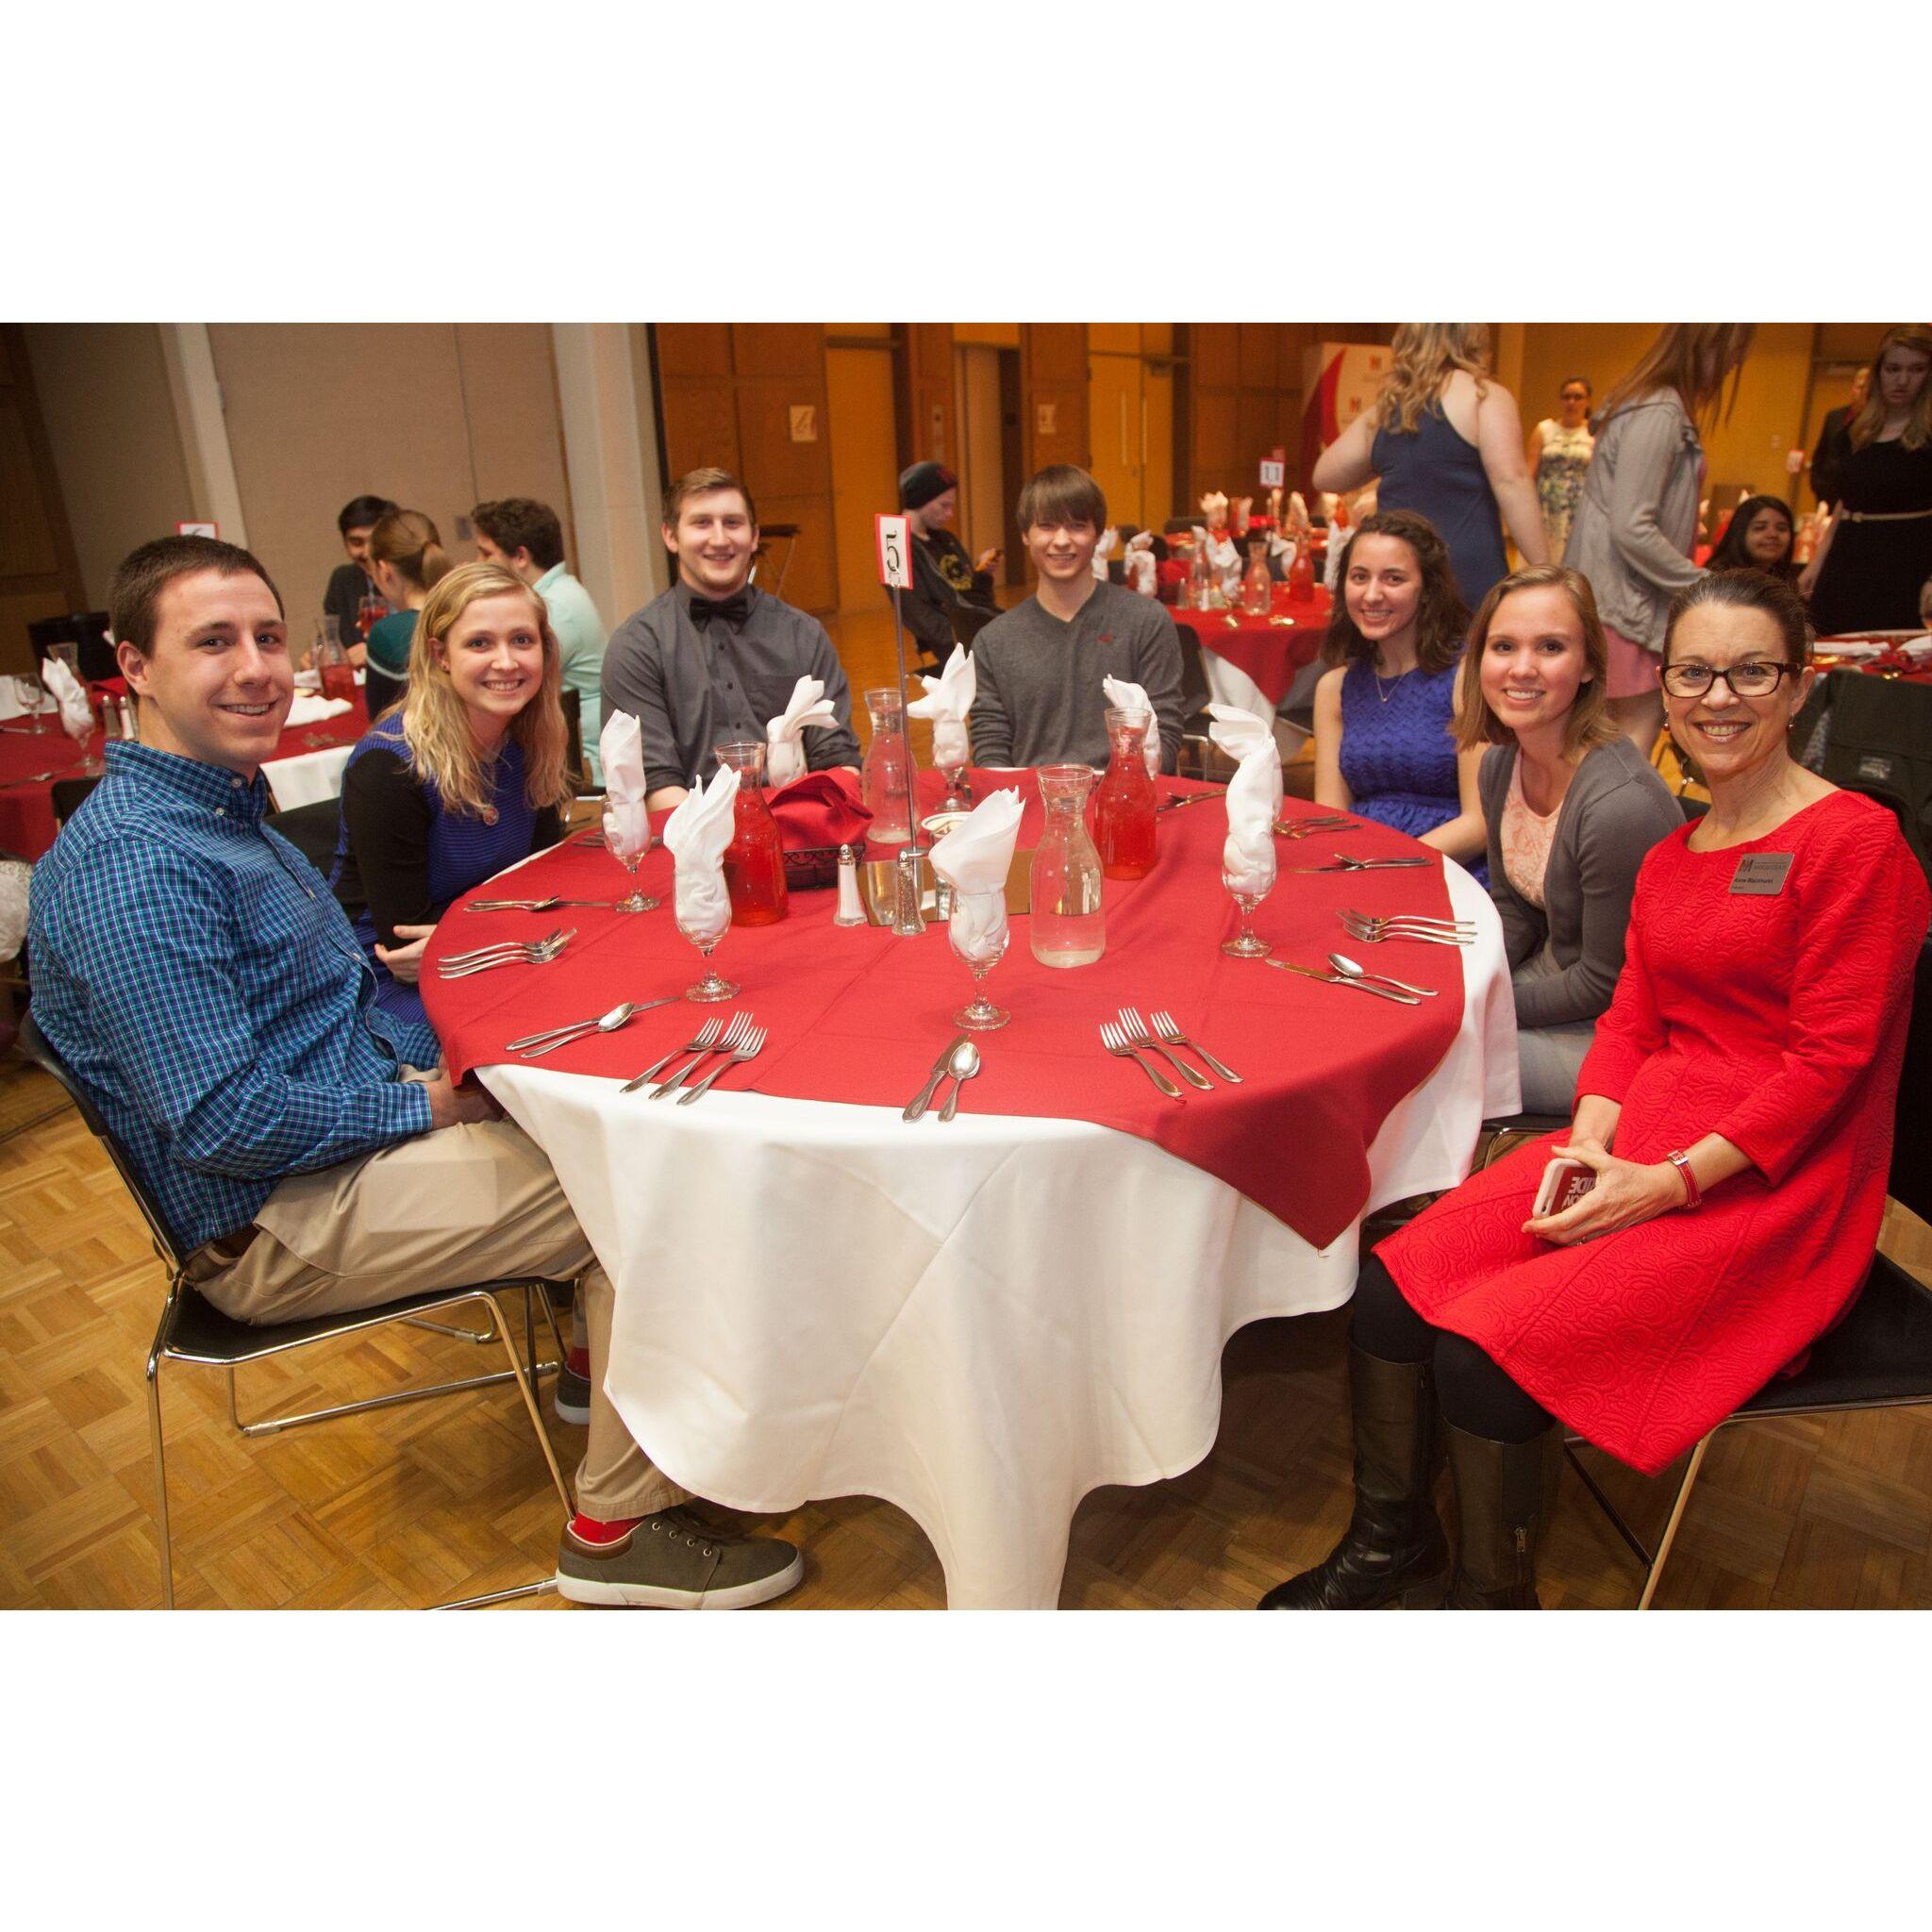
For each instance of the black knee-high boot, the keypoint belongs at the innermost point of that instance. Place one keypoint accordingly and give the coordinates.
(1506, 1493)
(1394, 1548)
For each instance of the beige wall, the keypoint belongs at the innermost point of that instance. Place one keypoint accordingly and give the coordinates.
(103, 391)
(1748, 447)
(435, 416)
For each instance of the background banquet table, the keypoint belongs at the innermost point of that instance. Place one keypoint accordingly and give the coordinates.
(983, 1319)
(307, 765)
(1252, 661)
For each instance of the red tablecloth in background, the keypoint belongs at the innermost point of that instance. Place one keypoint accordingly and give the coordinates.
(1891, 665)
(1272, 649)
(27, 811)
(857, 1015)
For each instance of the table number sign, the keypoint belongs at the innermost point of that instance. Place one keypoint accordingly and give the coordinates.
(894, 538)
(1274, 474)
(213, 530)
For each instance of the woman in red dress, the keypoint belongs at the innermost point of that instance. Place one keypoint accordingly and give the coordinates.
(1736, 1109)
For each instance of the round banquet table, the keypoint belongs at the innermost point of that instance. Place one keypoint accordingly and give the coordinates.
(979, 1320)
(1906, 654)
(1252, 662)
(306, 766)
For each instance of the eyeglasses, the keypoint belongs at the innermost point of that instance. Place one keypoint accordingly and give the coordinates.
(1754, 678)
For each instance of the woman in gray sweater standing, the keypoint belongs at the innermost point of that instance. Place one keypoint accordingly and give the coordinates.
(1635, 532)
(1572, 807)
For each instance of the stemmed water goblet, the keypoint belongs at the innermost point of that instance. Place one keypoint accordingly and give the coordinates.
(977, 933)
(704, 937)
(628, 845)
(1245, 944)
(32, 695)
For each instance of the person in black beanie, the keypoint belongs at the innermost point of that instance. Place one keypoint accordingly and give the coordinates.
(950, 596)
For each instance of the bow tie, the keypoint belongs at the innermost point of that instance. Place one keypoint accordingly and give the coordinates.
(732, 610)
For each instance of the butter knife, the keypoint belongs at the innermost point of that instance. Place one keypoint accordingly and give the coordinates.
(1382, 993)
(922, 1100)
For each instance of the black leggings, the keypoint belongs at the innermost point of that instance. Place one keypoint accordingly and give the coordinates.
(1474, 1394)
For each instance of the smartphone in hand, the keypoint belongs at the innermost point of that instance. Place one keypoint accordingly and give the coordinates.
(1565, 1182)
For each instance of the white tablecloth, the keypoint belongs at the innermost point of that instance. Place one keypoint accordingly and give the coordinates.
(979, 1322)
(307, 778)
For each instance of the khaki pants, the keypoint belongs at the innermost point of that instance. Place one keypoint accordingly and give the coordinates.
(463, 1204)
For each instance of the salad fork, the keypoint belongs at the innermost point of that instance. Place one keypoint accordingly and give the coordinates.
(539, 954)
(496, 947)
(1374, 931)
(746, 1049)
(1136, 1030)
(1164, 1026)
(696, 1044)
(732, 1036)
(1116, 1044)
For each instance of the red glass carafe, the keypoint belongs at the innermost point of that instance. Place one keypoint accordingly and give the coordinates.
(754, 860)
(1123, 806)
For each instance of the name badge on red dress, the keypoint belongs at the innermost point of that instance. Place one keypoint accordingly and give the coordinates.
(1762, 873)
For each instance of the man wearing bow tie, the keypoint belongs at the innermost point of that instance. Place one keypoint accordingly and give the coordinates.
(714, 659)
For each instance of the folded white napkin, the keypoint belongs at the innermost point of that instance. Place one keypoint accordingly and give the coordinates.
(621, 751)
(808, 710)
(1918, 649)
(1254, 797)
(697, 833)
(974, 858)
(1124, 696)
(313, 711)
(947, 704)
(1851, 647)
(77, 720)
(1142, 572)
(1240, 733)
(1224, 560)
(1105, 549)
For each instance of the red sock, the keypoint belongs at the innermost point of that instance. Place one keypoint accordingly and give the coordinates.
(578, 1362)
(587, 1529)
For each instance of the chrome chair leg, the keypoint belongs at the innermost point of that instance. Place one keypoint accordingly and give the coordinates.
(1670, 1535)
(526, 1386)
(154, 1424)
(445, 1328)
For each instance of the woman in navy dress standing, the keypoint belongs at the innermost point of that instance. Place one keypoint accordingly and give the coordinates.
(468, 776)
(1385, 715)
(1445, 440)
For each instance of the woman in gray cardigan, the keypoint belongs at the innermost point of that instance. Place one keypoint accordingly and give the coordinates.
(1635, 531)
(1572, 807)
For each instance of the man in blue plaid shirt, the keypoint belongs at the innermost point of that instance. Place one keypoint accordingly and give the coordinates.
(201, 981)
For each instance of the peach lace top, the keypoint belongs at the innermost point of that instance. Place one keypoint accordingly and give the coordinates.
(1527, 837)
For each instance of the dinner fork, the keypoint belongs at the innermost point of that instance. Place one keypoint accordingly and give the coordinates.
(1375, 932)
(1136, 1030)
(539, 955)
(496, 947)
(1164, 1026)
(746, 1049)
(732, 1036)
(1116, 1044)
(698, 1041)
(1305, 829)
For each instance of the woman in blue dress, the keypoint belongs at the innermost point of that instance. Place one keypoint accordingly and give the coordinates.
(1384, 717)
(468, 776)
(1444, 440)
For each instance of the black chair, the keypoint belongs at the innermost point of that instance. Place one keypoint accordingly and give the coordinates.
(69, 794)
(86, 628)
(1880, 1353)
(193, 1330)
(1198, 751)
(1881, 744)
(312, 830)
(573, 703)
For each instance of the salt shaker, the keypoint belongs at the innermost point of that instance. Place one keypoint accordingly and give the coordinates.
(850, 911)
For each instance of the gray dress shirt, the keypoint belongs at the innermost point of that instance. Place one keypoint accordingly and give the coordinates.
(692, 689)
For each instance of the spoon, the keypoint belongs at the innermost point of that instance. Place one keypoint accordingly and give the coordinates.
(1342, 963)
(611, 1021)
(963, 1064)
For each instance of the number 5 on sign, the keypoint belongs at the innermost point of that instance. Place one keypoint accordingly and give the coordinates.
(895, 552)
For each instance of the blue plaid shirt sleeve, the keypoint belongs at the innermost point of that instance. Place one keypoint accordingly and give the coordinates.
(147, 947)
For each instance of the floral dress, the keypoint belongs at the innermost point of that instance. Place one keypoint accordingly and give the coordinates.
(1560, 469)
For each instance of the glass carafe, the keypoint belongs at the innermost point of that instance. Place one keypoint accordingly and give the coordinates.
(754, 860)
(1069, 926)
(1301, 572)
(1124, 808)
(1197, 597)
(888, 766)
(335, 675)
(1257, 588)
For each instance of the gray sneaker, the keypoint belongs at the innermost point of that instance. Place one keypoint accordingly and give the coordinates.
(676, 1561)
(570, 1395)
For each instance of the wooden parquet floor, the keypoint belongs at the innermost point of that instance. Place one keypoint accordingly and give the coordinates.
(436, 1500)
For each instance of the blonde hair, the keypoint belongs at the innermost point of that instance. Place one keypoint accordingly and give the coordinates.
(1423, 356)
(1694, 358)
(1871, 419)
(1589, 722)
(436, 726)
(411, 545)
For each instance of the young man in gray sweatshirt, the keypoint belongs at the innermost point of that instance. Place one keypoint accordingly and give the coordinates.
(1039, 666)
